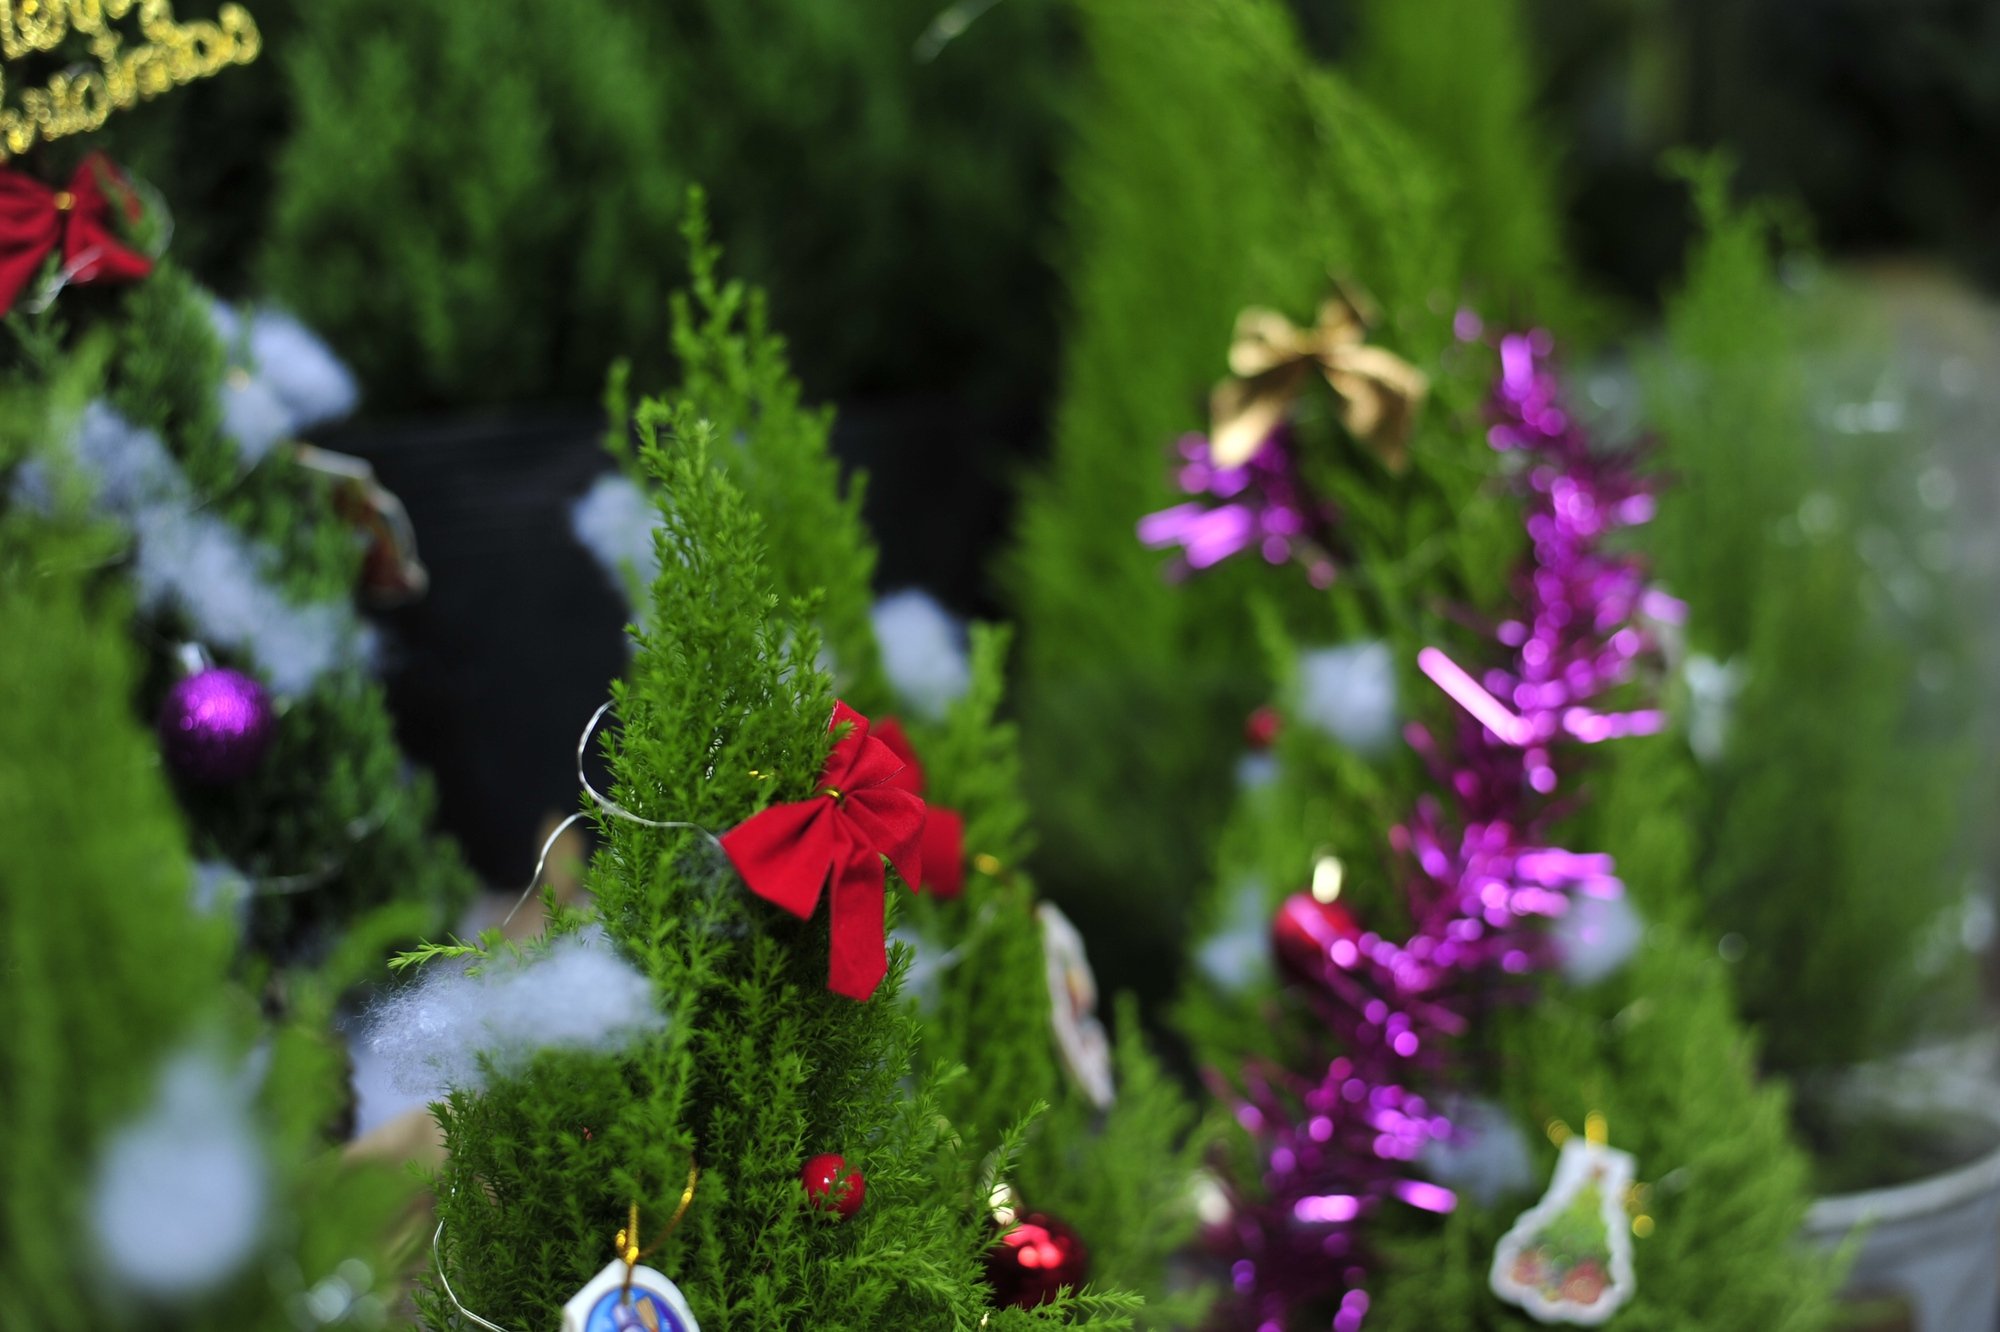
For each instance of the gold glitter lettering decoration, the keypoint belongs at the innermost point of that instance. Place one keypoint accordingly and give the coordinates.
(82, 96)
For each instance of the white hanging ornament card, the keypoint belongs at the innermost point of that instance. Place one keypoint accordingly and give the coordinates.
(1080, 1036)
(647, 1303)
(1569, 1258)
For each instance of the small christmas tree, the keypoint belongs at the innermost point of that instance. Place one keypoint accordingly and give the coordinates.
(1093, 1158)
(1216, 170)
(246, 552)
(1410, 1036)
(784, 1049)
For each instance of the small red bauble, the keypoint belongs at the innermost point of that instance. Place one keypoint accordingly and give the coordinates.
(832, 1183)
(1034, 1260)
(1306, 934)
(1260, 729)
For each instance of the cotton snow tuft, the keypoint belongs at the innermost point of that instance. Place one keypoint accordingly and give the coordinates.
(1349, 692)
(221, 889)
(1487, 1156)
(301, 371)
(191, 561)
(196, 563)
(923, 652)
(579, 995)
(1596, 936)
(614, 521)
(252, 416)
(178, 1201)
(1238, 954)
(1713, 687)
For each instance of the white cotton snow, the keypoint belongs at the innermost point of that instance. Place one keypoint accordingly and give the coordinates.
(1349, 692)
(1487, 1156)
(1237, 955)
(614, 521)
(220, 889)
(178, 1200)
(196, 563)
(579, 995)
(1596, 936)
(301, 371)
(192, 561)
(1712, 689)
(252, 415)
(923, 652)
(925, 978)
(127, 465)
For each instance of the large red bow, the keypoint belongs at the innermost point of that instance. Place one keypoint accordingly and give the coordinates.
(36, 218)
(788, 853)
(944, 829)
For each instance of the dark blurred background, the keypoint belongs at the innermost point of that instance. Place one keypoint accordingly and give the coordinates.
(515, 210)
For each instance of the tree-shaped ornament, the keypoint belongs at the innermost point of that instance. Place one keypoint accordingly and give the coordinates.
(1569, 1258)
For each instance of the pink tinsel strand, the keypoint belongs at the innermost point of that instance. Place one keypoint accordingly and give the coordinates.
(1483, 880)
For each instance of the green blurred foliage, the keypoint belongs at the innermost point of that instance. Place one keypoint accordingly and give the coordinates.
(476, 203)
(109, 974)
(1474, 103)
(1833, 826)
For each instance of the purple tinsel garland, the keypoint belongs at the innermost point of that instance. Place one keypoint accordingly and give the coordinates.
(1483, 877)
(1262, 504)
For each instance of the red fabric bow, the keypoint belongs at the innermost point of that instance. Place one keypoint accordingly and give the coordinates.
(36, 218)
(860, 814)
(944, 829)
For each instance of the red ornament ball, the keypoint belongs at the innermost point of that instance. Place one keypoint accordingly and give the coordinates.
(1034, 1260)
(1260, 729)
(1306, 933)
(832, 1183)
(215, 726)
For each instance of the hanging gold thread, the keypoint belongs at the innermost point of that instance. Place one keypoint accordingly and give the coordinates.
(628, 1238)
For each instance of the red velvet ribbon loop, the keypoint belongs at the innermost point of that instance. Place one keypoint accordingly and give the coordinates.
(789, 854)
(36, 219)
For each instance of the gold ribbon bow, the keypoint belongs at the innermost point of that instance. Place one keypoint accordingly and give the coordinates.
(1270, 361)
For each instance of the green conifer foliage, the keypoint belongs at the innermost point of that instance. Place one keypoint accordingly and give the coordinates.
(1833, 822)
(474, 202)
(108, 974)
(760, 1066)
(987, 1014)
(1215, 169)
(331, 805)
(1460, 77)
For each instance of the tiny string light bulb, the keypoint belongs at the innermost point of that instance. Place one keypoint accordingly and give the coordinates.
(1329, 875)
(1636, 1199)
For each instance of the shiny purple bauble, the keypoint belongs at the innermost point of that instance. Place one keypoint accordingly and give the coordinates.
(215, 726)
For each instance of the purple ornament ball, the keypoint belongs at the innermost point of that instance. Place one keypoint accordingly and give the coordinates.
(215, 726)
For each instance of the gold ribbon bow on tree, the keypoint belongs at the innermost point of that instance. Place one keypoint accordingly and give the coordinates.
(1272, 359)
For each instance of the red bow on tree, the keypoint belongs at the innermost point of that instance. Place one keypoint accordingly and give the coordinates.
(860, 814)
(944, 829)
(35, 219)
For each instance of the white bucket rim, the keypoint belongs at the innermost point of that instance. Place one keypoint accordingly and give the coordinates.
(1836, 1214)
